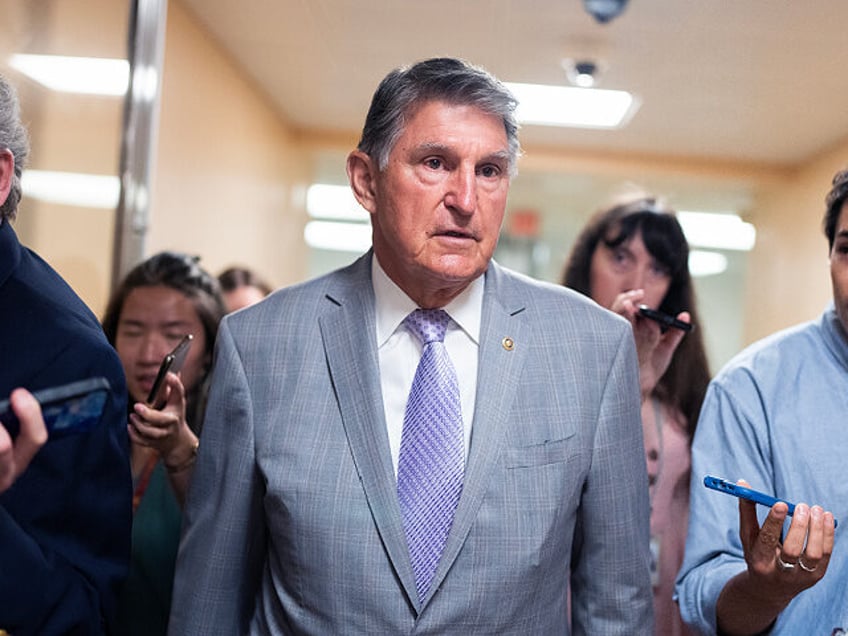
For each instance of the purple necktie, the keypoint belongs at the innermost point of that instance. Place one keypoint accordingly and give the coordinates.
(431, 449)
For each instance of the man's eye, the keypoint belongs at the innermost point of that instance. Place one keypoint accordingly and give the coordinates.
(490, 171)
(434, 163)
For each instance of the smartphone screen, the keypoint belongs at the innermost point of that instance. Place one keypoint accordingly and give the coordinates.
(722, 485)
(70, 408)
(172, 362)
(665, 320)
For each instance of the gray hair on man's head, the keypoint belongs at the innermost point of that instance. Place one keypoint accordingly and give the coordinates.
(13, 137)
(449, 80)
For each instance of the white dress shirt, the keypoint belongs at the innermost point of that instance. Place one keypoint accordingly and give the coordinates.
(399, 350)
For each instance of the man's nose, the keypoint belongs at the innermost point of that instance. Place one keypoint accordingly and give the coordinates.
(462, 192)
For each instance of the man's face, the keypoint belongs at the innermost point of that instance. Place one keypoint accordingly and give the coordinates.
(839, 267)
(437, 208)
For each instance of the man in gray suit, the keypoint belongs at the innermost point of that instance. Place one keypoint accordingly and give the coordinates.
(316, 508)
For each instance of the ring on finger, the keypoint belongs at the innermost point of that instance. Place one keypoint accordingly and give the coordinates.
(806, 567)
(783, 565)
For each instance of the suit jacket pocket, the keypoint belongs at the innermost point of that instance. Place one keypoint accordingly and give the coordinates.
(548, 452)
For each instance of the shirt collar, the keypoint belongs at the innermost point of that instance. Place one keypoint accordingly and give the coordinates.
(834, 333)
(393, 305)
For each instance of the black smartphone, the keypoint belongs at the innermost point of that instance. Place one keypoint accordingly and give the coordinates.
(727, 487)
(666, 321)
(172, 362)
(69, 408)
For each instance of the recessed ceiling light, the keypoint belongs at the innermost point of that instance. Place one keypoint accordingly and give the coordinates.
(90, 75)
(583, 73)
(570, 106)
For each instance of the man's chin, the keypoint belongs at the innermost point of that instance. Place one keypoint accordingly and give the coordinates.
(456, 269)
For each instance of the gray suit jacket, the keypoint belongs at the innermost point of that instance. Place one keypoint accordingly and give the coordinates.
(293, 525)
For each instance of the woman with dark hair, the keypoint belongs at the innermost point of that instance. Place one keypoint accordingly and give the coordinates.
(633, 254)
(159, 302)
(242, 287)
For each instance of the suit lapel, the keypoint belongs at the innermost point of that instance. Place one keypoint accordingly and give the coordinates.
(351, 351)
(501, 359)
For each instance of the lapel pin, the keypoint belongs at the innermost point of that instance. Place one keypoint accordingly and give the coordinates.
(508, 343)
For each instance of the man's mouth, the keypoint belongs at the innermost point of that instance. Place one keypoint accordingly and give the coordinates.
(455, 234)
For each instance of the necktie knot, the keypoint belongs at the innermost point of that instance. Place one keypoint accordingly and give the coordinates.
(428, 325)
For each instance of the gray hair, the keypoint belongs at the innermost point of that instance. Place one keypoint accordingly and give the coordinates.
(13, 137)
(439, 79)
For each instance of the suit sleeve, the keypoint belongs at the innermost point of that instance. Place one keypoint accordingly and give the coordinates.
(223, 542)
(610, 584)
(65, 524)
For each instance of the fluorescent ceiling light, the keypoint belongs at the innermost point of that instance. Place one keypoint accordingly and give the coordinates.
(571, 106)
(70, 188)
(90, 75)
(338, 237)
(703, 263)
(324, 201)
(722, 231)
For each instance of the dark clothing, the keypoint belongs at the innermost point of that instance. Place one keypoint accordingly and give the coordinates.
(146, 597)
(65, 524)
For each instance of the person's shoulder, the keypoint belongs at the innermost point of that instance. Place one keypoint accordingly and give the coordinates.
(54, 339)
(38, 280)
(550, 300)
(305, 300)
(45, 299)
(774, 354)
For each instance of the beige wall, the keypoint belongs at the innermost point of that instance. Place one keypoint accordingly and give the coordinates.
(789, 277)
(230, 178)
(69, 133)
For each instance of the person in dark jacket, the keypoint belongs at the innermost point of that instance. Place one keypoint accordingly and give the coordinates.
(65, 523)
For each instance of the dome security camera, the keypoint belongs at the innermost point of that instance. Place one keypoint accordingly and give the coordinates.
(604, 10)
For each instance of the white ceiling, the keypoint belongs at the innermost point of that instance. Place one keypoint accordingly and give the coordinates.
(759, 81)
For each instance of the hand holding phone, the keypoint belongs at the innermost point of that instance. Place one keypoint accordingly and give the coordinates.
(722, 485)
(70, 408)
(665, 320)
(172, 362)
(16, 455)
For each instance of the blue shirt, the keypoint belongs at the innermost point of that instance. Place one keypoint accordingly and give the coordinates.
(777, 416)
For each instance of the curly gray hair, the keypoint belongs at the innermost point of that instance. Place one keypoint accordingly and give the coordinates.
(14, 138)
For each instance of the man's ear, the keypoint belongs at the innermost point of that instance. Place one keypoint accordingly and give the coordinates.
(7, 173)
(362, 172)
